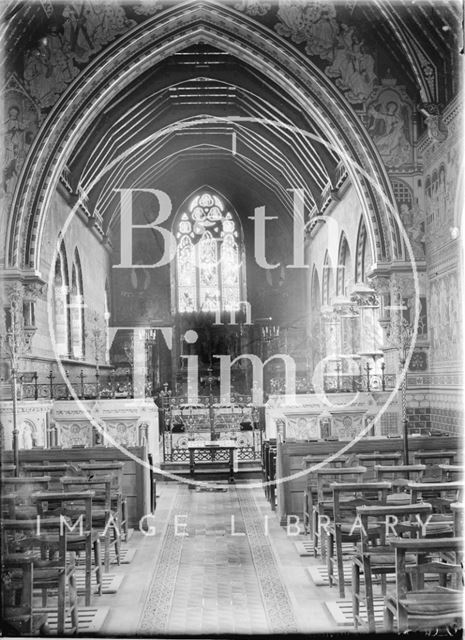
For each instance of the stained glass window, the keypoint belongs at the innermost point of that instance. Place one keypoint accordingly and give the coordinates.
(208, 257)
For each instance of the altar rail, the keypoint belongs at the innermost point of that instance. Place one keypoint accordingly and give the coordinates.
(136, 477)
(290, 455)
(110, 386)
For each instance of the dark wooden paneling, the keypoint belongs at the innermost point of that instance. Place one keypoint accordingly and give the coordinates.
(136, 481)
(290, 459)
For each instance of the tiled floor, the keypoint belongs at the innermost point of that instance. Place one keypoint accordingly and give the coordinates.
(213, 580)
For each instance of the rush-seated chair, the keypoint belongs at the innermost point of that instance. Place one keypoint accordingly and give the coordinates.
(440, 495)
(374, 556)
(399, 476)
(51, 570)
(105, 518)
(342, 527)
(432, 607)
(75, 507)
(323, 504)
(309, 495)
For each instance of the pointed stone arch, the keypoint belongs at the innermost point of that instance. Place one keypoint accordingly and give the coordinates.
(152, 41)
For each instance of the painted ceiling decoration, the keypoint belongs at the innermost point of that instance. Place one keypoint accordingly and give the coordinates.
(386, 59)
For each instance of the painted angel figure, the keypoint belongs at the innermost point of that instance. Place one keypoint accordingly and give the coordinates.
(388, 131)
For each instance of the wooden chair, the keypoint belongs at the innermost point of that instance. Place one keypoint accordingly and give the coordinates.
(432, 460)
(76, 508)
(375, 556)
(457, 510)
(55, 470)
(323, 503)
(17, 599)
(52, 570)
(269, 471)
(17, 499)
(7, 470)
(346, 498)
(369, 460)
(436, 606)
(118, 499)
(104, 516)
(309, 495)
(440, 495)
(451, 472)
(399, 476)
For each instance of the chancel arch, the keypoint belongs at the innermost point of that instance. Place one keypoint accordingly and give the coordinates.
(146, 45)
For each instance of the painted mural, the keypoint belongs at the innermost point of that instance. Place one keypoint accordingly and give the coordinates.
(445, 326)
(22, 121)
(389, 122)
(440, 195)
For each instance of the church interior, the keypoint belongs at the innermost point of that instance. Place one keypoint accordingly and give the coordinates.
(231, 354)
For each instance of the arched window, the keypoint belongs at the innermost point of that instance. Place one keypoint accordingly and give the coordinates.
(344, 279)
(106, 317)
(208, 258)
(61, 307)
(327, 288)
(77, 309)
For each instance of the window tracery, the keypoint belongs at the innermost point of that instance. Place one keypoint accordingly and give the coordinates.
(208, 257)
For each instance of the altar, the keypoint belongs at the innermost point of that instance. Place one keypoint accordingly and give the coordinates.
(209, 422)
(211, 454)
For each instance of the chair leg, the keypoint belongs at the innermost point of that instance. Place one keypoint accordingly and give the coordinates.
(369, 595)
(117, 543)
(124, 510)
(340, 565)
(388, 618)
(61, 606)
(356, 593)
(330, 556)
(73, 602)
(106, 550)
(88, 577)
(315, 532)
(322, 541)
(383, 584)
(98, 565)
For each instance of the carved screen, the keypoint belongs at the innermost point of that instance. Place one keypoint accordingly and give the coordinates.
(208, 257)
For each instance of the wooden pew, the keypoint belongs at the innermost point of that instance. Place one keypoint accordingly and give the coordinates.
(290, 456)
(136, 477)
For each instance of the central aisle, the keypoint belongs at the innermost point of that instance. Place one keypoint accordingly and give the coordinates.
(213, 581)
(222, 577)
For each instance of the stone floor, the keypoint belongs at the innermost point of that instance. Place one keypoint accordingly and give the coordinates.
(216, 580)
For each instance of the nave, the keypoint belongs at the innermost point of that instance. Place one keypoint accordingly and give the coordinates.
(219, 557)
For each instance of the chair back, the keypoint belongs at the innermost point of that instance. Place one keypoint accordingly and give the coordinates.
(440, 494)
(391, 521)
(326, 477)
(17, 495)
(75, 505)
(100, 485)
(369, 460)
(347, 496)
(400, 475)
(430, 559)
(96, 470)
